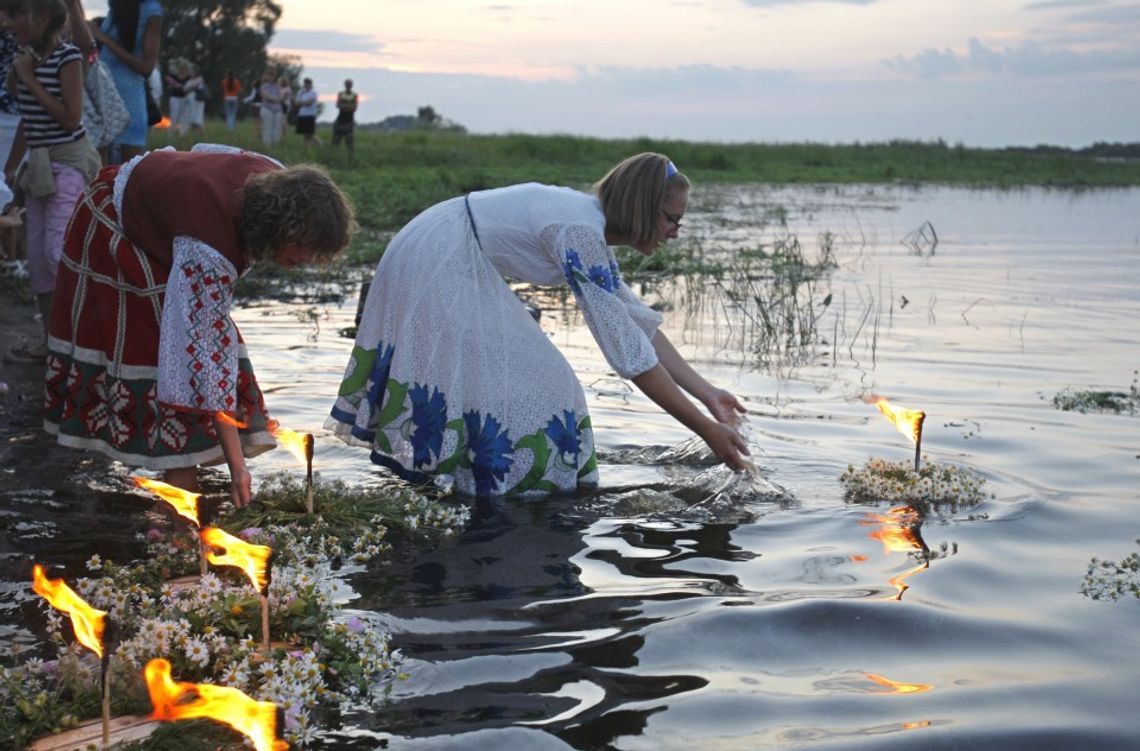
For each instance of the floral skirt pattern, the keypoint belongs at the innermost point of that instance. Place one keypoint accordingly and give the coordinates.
(450, 375)
(102, 365)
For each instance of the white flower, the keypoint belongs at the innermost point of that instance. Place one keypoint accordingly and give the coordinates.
(197, 652)
(94, 563)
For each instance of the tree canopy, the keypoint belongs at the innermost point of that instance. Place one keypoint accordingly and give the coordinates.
(218, 36)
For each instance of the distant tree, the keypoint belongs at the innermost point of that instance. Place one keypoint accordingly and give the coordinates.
(426, 117)
(221, 35)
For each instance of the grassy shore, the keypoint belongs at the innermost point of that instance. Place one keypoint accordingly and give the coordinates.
(394, 176)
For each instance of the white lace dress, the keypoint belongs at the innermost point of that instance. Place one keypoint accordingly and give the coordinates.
(450, 374)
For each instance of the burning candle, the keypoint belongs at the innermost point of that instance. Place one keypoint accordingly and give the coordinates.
(254, 560)
(90, 625)
(184, 503)
(178, 700)
(909, 423)
(301, 446)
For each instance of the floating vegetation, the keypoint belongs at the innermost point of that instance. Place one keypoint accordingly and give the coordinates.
(1109, 580)
(1119, 402)
(932, 486)
(346, 510)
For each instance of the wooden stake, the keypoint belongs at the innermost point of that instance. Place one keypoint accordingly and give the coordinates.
(918, 440)
(265, 622)
(106, 709)
(309, 473)
(202, 557)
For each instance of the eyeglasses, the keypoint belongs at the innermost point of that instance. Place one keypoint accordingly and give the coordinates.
(675, 221)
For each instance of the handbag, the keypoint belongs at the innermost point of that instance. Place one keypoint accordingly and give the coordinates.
(104, 114)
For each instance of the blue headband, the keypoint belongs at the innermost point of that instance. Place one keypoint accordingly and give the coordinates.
(670, 170)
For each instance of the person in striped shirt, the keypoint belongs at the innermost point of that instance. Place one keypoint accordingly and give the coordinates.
(48, 83)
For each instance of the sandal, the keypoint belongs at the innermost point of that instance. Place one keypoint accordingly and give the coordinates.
(26, 355)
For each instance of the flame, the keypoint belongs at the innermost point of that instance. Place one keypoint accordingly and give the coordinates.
(898, 582)
(900, 688)
(908, 421)
(230, 420)
(178, 700)
(252, 559)
(86, 620)
(162, 124)
(897, 532)
(299, 445)
(184, 503)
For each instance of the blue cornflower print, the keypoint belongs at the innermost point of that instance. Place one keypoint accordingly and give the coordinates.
(615, 274)
(573, 263)
(601, 276)
(378, 377)
(429, 416)
(564, 435)
(488, 451)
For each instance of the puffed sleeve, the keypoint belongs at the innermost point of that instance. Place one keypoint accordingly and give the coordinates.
(616, 318)
(198, 343)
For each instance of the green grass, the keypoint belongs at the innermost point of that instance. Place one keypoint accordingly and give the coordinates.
(395, 176)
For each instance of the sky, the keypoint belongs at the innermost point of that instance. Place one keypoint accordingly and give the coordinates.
(983, 73)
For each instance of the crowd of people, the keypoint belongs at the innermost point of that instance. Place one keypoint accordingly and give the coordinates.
(133, 256)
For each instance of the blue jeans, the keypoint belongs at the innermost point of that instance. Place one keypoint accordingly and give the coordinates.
(231, 105)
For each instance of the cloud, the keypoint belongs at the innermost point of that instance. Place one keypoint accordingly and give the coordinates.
(1053, 4)
(1027, 59)
(326, 39)
(770, 3)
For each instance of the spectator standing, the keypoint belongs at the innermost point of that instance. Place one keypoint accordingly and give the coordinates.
(286, 102)
(195, 104)
(345, 125)
(175, 84)
(131, 35)
(307, 112)
(272, 115)
(48, 77)
(231, 91)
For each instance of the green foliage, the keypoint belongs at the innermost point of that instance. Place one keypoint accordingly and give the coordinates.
(221, 35)
(1101, 401)
(1109, 580)
(394, 176)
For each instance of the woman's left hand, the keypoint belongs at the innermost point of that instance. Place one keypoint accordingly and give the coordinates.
(725, 407)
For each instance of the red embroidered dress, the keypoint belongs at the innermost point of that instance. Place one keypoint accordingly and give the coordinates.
(142, 348)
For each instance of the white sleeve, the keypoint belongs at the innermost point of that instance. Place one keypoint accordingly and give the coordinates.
(592, 272)
(198, 342)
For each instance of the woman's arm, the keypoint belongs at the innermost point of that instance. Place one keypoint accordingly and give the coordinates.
(15, 155)
(721, 404)
(152, 38)
(67, 110)
(726, 443)
(240, 479)
(80, 29)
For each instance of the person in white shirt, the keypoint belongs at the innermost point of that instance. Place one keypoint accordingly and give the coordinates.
(306, 101)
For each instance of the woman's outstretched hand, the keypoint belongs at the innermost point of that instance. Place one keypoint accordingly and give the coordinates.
(728, 445)
(725, 407)
(241, 483)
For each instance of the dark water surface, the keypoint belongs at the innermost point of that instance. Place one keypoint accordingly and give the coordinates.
(681, 608)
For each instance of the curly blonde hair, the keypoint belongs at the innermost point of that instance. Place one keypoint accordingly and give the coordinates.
(299, 205)
(633, 193)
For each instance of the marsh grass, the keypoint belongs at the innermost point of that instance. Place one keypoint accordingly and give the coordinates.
(1119, 402)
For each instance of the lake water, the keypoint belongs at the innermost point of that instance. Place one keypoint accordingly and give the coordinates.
(681, 608)
(643, 617)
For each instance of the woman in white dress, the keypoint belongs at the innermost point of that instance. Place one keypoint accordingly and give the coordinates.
(450, 375)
